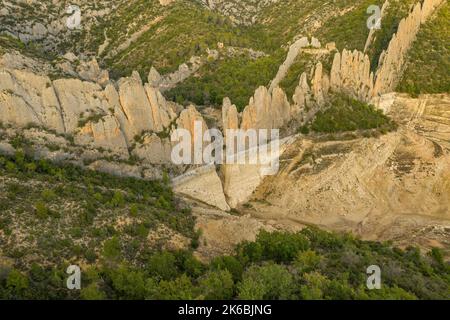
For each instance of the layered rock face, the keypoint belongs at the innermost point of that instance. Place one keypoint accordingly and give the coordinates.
(265, 110)
(351, 75)
(392, 60)
(351, 72)
(272, 110)
(230, 115)
(241, 180)
(386, 187)
(29, 98)
(91, 71)
(102, 118)
(294, 51)
(169, 81)
(128, 118)
(45, 21)
(202, 184)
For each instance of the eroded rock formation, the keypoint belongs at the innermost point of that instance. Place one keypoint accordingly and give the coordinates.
(294, 51)
(107, 118)
(392, 60)
(351, 72)
(130, 118)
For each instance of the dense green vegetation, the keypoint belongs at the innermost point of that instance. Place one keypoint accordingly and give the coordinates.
(235, 77)
(176, 33)
(347, 114)
(429, 59)
(172, 36)
(311, 264)
(349, 30)
(40, 236)
(140, 34)
(52, 215)
(280, 25)
(303, 63)
(396, 11)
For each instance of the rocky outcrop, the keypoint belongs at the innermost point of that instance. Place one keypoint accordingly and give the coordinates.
(280, 107)
(163, 114)
(129, 117)
(428, 8)
(320, 85)
(90, 71)
(154, 78)
(392, 60)
(187, 119)
(46, 21)
(104, 133)
(79, 100)
(108, 119)
(230, 116)
(169, 81)
(351, 70)
(294, 51)
(165, 2)
(29, 98)
(302, 96)
(241, 180)
(272, 110)
(351, 74)
(266, 111)
(315, 43)
(202, 184)
(153, 149)
(135, 104)
(257, 115)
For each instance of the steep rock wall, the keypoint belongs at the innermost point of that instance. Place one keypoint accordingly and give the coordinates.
(109, 118)
(392, 60)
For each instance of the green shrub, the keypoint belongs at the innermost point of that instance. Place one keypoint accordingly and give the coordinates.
(277, 246)
(42, 212)
(111, 249)
(347, 114)
(428, 60)
(162, 265)
(268, 282)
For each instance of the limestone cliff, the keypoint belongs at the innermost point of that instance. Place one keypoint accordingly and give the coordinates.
(109, 118)
(272, 110)
(351, 74)
(392, 60)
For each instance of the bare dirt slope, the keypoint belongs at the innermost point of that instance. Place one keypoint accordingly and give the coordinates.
(395, 187)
